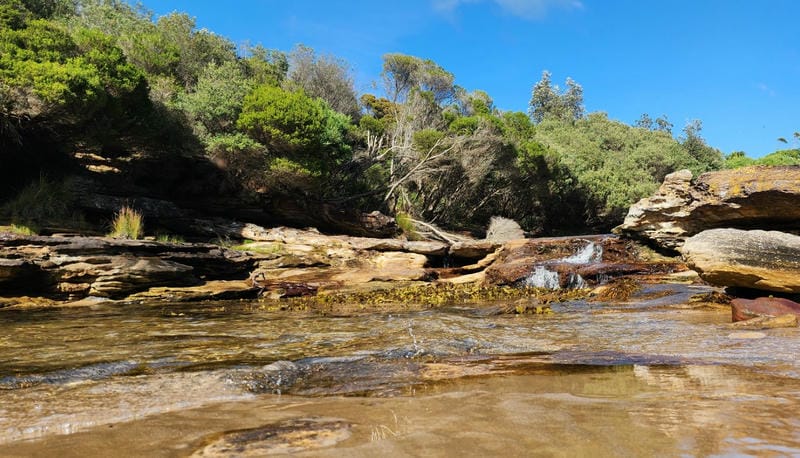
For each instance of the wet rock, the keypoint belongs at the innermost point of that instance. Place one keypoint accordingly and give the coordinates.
(592, 258)
(214, 290)
(763, 260)
(767, 322)
(286, 437)
(272, 378)
(745, 309)
(766, 197)
(524, 306)
(618, 290)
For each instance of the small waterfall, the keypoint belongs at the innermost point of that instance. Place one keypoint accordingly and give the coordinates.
(543, 278)
(575, 281)
(590, 253)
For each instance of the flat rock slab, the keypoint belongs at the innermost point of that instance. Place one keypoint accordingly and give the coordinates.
(764, 260)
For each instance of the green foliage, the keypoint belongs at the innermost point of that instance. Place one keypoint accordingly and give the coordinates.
(285, 121)
(295, 126)
(169, 238)
(404, 74)
(44, 202)
(216, 102)
(464, 125)
(778, 158)
(265, 66)
(127, 224)
(324, 77)
(547, 100)
(21, 230)
(615, 164)
(428, 140)
(58, 73)
(406, 224)
(13, 14)
(738, 159)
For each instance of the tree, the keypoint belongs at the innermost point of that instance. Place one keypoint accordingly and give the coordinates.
(216, 102)
(547, 100)
(292, 125)
(709, 158)
(265, 66)
(325, 77)
(663, 124)
(644, 122)
(403, 74)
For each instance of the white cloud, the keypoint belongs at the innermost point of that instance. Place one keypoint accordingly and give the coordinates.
(766, 89)
(526, 9)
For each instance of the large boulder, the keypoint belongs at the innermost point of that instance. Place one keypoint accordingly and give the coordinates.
(764, 260)
(750, 197)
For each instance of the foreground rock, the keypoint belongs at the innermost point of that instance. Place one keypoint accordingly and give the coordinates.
(750, 197)
(764, 260)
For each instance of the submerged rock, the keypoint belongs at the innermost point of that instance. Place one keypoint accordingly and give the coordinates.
(767, 322)
(766, 197)
(764, 260)
(285, 437)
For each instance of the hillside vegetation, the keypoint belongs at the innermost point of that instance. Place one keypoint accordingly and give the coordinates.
(288, 124)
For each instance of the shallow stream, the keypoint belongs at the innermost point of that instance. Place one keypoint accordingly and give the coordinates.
(646, 377)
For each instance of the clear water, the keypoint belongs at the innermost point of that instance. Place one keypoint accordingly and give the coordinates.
(637, 378)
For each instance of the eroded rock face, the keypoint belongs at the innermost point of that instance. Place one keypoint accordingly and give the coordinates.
(750, 197)
(765, 260)
(74, 267)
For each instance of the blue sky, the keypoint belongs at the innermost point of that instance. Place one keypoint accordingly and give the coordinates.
(733, 64)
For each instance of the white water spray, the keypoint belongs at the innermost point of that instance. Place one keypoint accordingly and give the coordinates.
(541, 277)
(590, 253)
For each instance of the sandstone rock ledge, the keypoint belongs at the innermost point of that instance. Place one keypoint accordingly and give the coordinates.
(764, 260)
(746, 198)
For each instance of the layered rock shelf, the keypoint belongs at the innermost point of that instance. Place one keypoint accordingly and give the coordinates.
(284, 262)
(764, 260)
(746, 198)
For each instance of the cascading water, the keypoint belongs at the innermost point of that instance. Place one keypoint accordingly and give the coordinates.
(590, 253)
(542, 277)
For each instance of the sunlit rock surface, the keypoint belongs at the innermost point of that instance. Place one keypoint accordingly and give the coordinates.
(750, 197)
(764, 260)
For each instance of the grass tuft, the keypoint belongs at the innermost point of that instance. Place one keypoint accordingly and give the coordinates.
(127, 224)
